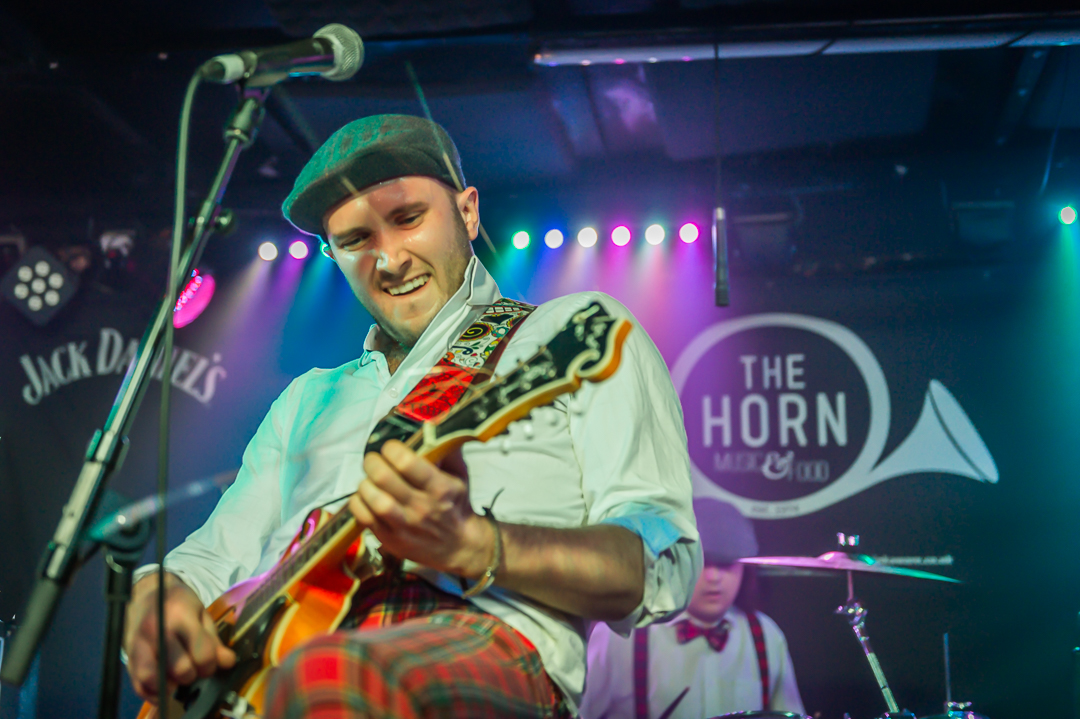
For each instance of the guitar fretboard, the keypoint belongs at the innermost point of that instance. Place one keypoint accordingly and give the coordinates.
(281, 576)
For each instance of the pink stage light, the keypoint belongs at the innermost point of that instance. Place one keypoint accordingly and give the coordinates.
(688, 232)
(298, 249)
(193, 300)
(620, 235)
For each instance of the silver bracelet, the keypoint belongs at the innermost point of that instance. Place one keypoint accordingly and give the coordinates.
(488, 577)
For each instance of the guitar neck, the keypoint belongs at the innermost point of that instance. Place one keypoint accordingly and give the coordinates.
(329, 544)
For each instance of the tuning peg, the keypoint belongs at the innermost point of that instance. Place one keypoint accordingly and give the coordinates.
(847, 540)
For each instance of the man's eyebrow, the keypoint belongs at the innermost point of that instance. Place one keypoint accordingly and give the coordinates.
(347, 234)
(409, 207)
(404, 209)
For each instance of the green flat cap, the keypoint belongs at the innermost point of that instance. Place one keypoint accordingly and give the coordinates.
(364, 152)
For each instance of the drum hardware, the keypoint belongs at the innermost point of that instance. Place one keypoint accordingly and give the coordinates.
(763, 715)
(852, 610)
(953, 710)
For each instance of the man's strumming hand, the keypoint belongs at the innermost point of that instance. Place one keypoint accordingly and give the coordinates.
(422, 512)
(190, 636)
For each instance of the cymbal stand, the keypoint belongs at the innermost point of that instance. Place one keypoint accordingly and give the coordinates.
(855, 614)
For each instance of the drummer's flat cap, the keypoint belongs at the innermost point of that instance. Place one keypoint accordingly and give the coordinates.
(726, 535)
(364, 152)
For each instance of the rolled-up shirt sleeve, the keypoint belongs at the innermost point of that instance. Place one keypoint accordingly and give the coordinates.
(630, 442)
(228, 547)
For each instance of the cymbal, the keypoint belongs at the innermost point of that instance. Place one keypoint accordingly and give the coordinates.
(844, 562)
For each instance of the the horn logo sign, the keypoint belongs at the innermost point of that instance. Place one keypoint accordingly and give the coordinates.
(788, 414)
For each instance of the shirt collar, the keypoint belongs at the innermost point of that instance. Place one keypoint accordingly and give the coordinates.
(729, 616)
(478, 289)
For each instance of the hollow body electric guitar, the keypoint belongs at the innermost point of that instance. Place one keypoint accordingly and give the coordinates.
(309, 591)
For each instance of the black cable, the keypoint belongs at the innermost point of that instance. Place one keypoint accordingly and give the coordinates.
(1057, 123)
(459, 182)
(179, 222)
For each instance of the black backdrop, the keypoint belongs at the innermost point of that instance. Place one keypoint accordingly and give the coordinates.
(1001, 337)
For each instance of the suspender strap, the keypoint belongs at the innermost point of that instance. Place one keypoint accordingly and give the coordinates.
(762, 656)
(469, 362)
(641, 673)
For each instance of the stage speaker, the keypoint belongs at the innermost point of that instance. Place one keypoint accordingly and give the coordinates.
(944, 441)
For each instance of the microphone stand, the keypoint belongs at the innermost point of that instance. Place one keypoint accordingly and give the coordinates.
(72, 543)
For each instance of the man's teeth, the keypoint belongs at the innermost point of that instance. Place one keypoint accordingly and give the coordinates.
(410, 285)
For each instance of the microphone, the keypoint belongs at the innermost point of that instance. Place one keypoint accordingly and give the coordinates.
(336, 52)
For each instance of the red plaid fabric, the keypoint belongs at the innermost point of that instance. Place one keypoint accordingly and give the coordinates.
(414, 651)
(762, 656)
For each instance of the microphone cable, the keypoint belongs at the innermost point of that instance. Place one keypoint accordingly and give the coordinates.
(179, 222)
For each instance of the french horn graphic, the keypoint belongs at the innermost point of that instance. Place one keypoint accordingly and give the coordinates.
(944, 441)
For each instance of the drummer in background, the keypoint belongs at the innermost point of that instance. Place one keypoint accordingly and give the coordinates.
(718, 656)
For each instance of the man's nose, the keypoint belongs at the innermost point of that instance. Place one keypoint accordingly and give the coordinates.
(393, 258)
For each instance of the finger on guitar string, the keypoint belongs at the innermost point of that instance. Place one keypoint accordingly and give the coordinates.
(203, 648)
(226, 657)
(360, 512)
(181, 663)
(386, 477)
(416, 470)
(143, 672)
(383, 506)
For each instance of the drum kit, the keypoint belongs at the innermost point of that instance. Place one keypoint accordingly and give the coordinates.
(853, 611)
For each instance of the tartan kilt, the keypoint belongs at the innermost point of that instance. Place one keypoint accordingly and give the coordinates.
(409, 650)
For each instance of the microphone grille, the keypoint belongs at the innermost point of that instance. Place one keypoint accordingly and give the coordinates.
(348, 50)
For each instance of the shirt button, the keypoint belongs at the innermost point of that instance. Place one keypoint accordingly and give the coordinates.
(393, 393)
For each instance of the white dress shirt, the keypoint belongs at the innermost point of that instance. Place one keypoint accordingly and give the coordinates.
(720, 682)
(615, 454)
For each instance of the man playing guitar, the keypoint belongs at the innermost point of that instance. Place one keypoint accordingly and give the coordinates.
(473, 617)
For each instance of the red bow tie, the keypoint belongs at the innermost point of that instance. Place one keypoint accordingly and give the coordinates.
(717, 636)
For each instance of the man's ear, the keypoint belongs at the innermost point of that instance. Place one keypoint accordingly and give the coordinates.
(327, 250)
(468, 203)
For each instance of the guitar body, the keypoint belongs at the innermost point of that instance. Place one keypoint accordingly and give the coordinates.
(316, 604)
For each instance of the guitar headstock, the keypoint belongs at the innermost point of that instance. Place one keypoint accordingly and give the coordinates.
(587, 349)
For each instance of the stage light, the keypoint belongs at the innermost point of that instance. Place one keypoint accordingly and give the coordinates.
(586, 237)
(298, 249)
(1067, 215)
(654, 234)
(38, 285)
(520, 239)
(620, 235)
(193, 300)
(553, 239)
(688, 232)
(268, 251)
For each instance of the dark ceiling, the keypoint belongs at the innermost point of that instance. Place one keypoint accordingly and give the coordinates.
(91, 93)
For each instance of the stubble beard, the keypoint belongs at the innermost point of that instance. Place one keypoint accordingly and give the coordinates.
(401, 340)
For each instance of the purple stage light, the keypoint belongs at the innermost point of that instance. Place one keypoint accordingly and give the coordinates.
(688, 232)
(298, 249)
(620, 235)
(193, 300)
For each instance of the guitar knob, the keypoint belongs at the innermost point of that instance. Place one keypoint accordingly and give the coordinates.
(504, 445)
(527, 430)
